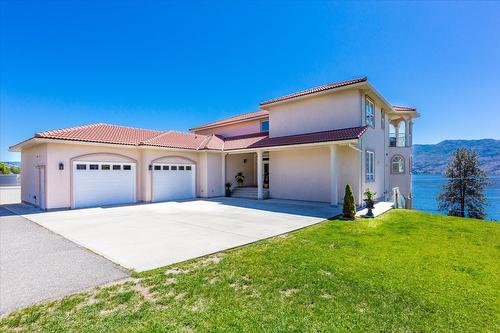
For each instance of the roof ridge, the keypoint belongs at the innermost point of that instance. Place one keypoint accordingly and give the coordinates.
(228, 119)
(315, 89)
(154, 137)
(130, 127)
(67, 129)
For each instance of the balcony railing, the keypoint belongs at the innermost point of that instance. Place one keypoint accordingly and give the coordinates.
(399, 141)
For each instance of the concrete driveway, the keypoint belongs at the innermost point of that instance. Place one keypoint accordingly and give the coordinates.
(143, 237)
(38, 265)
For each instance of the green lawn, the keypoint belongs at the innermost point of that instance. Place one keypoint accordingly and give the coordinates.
(405, 271)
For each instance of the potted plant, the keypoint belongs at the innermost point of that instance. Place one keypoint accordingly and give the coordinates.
(228, 189)
(240, 179)
(370, 203)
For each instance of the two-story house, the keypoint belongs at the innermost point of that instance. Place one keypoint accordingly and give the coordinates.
(303, 146)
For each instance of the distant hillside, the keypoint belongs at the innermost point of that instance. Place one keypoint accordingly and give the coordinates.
(12, 163)
(432, 159)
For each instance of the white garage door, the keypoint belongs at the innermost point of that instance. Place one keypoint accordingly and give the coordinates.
(103, 183)
(173, 182)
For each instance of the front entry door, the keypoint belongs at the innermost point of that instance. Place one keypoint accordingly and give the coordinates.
(266, 175)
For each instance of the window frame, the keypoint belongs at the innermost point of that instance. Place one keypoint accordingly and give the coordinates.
(402, 159)
(261, 125)
(368, 100)
(382, 119)
(369, 176)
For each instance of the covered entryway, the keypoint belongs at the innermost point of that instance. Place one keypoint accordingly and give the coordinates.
(173, 181)
(103, 183)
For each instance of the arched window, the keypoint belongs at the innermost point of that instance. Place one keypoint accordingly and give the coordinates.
(401, 134)
(398, 164)
(392, 135)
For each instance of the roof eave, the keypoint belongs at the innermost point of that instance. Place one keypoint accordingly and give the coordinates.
(293, 146)
(199, 128)
(265, 105)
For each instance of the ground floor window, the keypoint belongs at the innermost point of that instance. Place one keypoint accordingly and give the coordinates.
(370, 165)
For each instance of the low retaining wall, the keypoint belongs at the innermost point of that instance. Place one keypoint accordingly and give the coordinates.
(10, 194)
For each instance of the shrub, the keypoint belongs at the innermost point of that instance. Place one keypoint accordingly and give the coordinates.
(349, 209)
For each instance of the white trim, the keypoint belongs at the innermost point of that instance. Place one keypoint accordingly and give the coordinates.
(296, 146)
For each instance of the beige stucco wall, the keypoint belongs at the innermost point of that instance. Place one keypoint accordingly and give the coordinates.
(247, 127)
(236, 163)
(58, 182)
(403, 181)
(375, 139)
(31, 158)
(302, 174)
(319, 113)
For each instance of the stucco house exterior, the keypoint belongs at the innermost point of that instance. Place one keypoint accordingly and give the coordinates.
(303, 146)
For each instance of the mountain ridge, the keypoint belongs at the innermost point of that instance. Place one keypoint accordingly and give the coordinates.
(433, 158)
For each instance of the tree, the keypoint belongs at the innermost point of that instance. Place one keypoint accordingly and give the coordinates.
(464, 192)
(349, 208)
(15, 169)
(4, 170)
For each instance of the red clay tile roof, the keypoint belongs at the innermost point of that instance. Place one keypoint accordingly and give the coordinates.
(315, 90)
(244, 141)
(262, 140)
(113, 134)
(173, 139)
(403, 108)
(226, 121)
(102, 133)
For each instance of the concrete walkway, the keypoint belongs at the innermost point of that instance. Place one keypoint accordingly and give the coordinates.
(143, 237)
(37, 264)
(380, 208)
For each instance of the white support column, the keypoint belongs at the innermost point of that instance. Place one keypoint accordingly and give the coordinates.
(260, 176)
(407, 133)
(223, 175)
(334, 192)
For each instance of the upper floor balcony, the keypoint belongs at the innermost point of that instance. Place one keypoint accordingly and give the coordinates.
(398, 141)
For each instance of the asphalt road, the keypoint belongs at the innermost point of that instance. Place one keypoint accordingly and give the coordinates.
(37, 264)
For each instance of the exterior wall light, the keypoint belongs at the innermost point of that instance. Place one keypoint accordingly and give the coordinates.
(61, 166)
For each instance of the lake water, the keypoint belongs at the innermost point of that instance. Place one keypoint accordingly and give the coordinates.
(426, 187)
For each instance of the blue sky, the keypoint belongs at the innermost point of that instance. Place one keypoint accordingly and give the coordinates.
(172, 65)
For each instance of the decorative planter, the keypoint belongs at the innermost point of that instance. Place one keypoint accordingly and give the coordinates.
(370, 204)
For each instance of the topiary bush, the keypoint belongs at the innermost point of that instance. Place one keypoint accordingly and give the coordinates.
(349, 209)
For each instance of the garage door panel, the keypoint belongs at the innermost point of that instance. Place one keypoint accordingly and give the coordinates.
(173, 182)
(106, 185)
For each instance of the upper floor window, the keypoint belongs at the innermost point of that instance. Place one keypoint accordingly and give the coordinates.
(264, 126)
(370, 165)
(382, 119)
(392, 135)
(397, 164)
(401, 134)
(370, 112)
